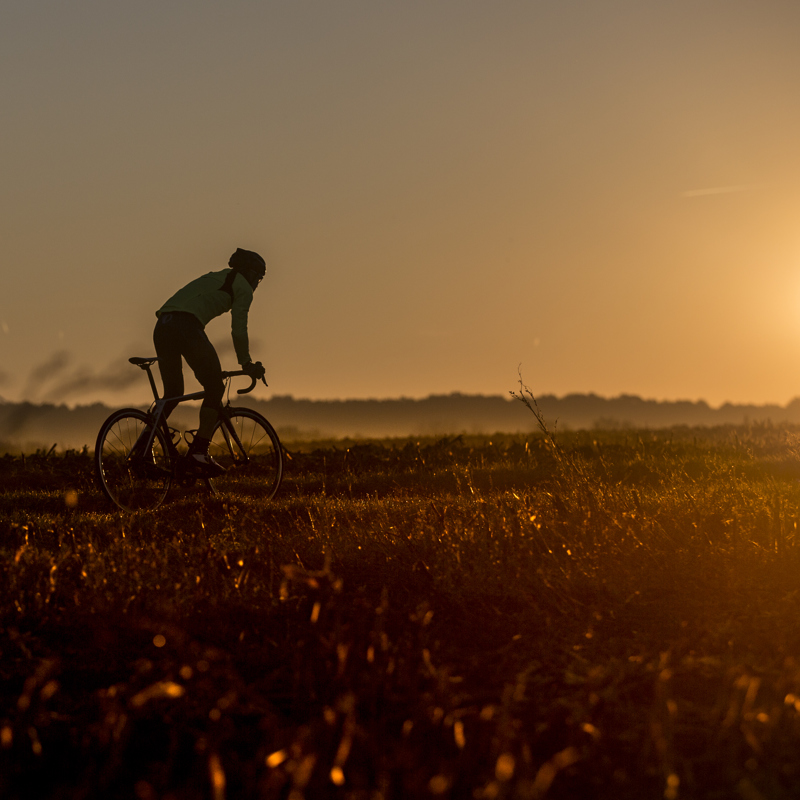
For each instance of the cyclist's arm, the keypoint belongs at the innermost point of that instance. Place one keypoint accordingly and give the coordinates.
(242, 298)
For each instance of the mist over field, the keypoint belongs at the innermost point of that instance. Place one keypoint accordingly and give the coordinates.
(27, 427)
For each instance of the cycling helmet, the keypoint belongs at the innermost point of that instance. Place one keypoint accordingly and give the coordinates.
(250, 264)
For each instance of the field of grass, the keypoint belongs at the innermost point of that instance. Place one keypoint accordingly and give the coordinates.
(613, 616)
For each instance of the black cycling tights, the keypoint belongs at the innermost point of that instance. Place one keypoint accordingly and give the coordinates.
(178, 333)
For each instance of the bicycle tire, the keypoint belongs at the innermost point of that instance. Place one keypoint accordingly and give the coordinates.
(133, 484)
(256, 459)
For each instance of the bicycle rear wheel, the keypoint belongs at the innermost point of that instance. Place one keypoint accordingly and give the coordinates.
(130, 477)
(248, 447)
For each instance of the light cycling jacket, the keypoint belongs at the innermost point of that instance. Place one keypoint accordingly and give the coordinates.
(213, 294)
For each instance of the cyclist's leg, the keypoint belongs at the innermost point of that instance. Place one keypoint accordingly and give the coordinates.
(168, 339)
(201, 356)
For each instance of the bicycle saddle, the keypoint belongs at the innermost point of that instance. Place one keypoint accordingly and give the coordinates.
(143, 362)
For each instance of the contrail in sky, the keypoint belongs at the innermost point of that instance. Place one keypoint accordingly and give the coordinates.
(718, 190)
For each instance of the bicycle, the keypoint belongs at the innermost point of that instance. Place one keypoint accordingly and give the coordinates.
(137, 458)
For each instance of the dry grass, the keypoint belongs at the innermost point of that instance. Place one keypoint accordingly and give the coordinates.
(605, 615)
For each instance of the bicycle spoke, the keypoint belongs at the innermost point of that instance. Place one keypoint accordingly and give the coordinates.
(245, 444)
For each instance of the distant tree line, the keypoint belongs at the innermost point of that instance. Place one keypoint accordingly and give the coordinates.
(28, 426)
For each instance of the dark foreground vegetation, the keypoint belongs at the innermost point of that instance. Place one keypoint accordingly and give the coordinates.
(614, 617)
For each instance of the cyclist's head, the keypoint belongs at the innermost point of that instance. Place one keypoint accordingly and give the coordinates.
(250, 264)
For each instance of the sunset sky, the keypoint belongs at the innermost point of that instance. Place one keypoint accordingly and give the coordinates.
(603, 194)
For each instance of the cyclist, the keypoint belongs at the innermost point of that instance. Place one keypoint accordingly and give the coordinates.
(180, 332)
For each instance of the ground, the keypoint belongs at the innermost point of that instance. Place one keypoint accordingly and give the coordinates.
(599, 614)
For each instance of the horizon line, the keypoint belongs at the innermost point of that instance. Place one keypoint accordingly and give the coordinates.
(443, 395)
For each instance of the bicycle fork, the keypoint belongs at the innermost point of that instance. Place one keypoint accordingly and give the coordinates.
(238, 453)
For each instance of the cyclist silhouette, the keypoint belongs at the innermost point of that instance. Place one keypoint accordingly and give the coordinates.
(180, 333)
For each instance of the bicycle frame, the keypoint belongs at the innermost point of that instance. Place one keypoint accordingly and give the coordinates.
(137, 457)
(160, 402)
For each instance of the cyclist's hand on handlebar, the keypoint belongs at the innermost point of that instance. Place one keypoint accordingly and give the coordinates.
(254, 370)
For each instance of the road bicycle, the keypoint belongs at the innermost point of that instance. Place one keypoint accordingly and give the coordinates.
(137, 458)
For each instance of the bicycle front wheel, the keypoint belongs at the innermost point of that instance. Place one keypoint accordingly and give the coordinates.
(246, 445)
(134, 479)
